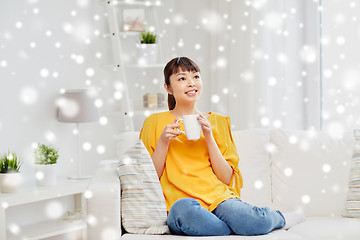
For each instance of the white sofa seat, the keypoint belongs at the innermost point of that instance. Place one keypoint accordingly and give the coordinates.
(279, 168)
(325, 228)
(274, 235)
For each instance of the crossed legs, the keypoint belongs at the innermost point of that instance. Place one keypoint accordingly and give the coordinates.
(187, 217)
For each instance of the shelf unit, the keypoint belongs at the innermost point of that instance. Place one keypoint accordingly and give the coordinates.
(52, 227)
(121, 67)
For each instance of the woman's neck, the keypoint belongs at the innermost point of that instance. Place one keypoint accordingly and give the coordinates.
(179, 111)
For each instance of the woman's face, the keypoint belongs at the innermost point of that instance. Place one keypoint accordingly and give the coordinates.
(186, 87)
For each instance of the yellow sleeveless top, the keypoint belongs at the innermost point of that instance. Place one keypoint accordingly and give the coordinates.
(188, 171)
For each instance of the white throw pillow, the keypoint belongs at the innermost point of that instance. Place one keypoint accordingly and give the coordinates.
(310, 172)
(125, 141)
(143, 208)
(254, 165)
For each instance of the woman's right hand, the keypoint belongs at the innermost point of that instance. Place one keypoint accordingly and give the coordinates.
(170, 132)
(159, 155)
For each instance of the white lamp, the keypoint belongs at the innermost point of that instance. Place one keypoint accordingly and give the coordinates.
(77, 106)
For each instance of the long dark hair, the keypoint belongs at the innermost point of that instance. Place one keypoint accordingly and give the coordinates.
(174, 66)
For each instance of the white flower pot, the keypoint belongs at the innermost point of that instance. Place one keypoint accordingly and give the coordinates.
(148, 54)
(46, 174)
(10, 182)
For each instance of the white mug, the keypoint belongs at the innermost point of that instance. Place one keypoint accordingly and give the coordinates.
(192, 126)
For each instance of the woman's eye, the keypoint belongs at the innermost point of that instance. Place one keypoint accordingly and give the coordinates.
(197, 76)
(181, 79)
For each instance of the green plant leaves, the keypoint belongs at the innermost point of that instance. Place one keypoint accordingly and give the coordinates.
(9, 163)
(147, 38)
(44, 154)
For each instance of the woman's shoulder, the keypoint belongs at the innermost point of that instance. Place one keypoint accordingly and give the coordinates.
(155, 120)
(158, 116)
(217, 115)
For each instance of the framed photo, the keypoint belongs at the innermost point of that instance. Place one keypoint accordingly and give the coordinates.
(134, 20)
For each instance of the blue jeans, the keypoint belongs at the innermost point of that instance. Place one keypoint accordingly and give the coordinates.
(233, 216)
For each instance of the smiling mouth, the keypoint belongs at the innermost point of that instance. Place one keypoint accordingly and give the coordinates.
(191, 92)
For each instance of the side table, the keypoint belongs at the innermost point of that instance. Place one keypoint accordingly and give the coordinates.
(51, 227)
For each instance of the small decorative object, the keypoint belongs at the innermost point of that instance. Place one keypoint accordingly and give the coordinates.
(74, 215)
(160, 100)
(133, 20)
(10, 177)
(151, 101)
(154, 101)
(148, 48)
(45, 165)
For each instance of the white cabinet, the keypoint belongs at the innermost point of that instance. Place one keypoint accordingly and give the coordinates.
(139, 83)
(14, 205)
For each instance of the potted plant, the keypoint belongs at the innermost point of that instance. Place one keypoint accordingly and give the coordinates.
(45, 157)
(10, 177)
(148, 48)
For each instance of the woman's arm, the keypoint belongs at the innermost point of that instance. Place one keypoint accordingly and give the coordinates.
(162, 146)
(221, 167)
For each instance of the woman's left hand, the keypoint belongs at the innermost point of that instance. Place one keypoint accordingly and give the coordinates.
(206, 128)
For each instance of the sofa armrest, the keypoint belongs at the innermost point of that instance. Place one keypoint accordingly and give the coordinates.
(104, 217)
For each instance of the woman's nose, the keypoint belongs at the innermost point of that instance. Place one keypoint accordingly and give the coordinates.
(191, 83)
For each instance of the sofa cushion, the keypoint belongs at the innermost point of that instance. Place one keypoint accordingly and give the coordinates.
(125, 141)
(353, 196)
(328, 229)
(143, 208)
(254, 165)
(310, 171)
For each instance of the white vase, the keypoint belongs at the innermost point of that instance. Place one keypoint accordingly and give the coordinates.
(10, 182)
(46, 174)
(148, 54)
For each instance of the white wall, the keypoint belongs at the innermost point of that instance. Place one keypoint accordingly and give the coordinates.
(46, 46)
(49, 46)
(341, 65)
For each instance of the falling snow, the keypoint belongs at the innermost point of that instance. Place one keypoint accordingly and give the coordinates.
(264, 81)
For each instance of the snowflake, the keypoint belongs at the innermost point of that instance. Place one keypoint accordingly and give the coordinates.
(103, 120)
(28, 95)
(215, 98)
(288, 172)
(54, 210)
(306, 199)
(90, 72)
(101, 149)
(3, 63)
(87, 146)
(44, 73)
(50, 136)
(258, 184)
(272, 81)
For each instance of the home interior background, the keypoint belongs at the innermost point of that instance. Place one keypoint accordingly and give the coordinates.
(286, 64)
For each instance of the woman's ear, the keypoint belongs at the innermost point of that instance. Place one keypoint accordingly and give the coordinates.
(168, 89)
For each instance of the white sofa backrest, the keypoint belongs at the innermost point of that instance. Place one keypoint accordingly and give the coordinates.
(289, 170)
(310, 171)
(254, 165)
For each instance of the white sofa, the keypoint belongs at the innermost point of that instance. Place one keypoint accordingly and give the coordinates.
(285, 170)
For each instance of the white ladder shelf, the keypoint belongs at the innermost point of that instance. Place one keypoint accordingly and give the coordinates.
(119, 65)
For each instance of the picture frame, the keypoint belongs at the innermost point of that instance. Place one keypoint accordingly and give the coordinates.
(133, 20)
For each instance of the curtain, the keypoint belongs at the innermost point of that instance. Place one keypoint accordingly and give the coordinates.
(266, 70)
